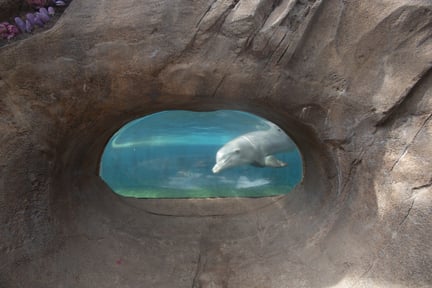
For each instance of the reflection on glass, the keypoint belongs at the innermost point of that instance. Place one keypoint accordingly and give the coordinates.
(184, 154)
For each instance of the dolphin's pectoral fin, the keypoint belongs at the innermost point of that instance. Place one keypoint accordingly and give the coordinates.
(257, 164)
(272, 161)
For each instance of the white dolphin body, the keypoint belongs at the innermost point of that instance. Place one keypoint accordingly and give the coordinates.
(254, 148)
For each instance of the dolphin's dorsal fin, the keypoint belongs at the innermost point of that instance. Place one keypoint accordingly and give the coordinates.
(272, 161)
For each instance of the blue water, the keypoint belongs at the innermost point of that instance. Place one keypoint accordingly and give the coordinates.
(171, 154)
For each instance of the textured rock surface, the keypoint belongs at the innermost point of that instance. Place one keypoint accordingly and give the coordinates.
(349, 80)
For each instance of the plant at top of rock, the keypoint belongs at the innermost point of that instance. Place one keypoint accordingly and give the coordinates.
(51, 11)
(37, 4)
(60, 3)
(27, 25)
(40, 18)
(20, 24)
(8, 31)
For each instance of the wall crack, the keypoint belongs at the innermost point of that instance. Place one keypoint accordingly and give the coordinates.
(201, 264)
(405, 151)
(205, 14)
(408, 212)
(429, 184)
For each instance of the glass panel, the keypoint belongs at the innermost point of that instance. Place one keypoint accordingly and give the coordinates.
(172, 154)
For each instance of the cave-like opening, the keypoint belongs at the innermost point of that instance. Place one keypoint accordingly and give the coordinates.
(186, 154)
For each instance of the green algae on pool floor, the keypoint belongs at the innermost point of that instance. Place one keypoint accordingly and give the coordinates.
(168, 193)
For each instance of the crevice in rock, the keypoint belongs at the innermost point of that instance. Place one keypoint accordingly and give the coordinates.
(427, 37)
(213, 24)
(282, 29)
(428, 184)
(270, 26)
(354, 164)
(299, 31)
(408, 212)
(297, 14)
(217, 23)
(267, 42)
(284, 52)
(426, 29)
(199, 269)
(205, 14)
(272, 53)
(218, 86)
(337, 33)
(254, 33)
(404, 152)
(364, 273)
(201, 264)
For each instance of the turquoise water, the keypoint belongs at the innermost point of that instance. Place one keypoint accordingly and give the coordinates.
(170, 154)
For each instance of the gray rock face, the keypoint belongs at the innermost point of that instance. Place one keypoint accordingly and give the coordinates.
(350, 81)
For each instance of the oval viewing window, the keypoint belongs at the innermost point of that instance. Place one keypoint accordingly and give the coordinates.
(185, 154)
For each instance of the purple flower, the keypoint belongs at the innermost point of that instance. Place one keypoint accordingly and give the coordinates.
(29, 26)
(31, 18)
(44, 11)
(51, 11)
(21, 24)
(38, 21)
(44, 17)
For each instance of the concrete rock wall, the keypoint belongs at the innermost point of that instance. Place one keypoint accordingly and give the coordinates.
(350, 81)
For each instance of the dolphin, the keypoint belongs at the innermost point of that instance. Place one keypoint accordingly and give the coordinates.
(254, 148)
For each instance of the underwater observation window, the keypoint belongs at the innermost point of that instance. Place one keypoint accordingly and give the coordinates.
(185, 154)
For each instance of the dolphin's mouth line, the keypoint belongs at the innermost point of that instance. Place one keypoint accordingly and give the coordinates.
(221, 164)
